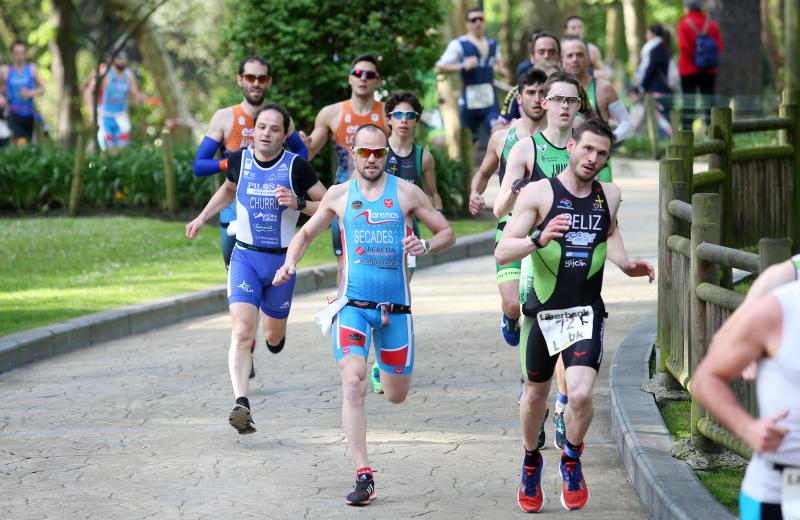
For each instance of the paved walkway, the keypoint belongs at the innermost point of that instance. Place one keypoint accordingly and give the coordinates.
(137, 428)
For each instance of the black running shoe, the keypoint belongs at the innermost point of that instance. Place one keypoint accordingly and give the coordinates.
(241, 419)
(542, 437)
(363, 491)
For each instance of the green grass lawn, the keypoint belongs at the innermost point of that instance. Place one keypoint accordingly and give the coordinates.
(724, 483)
(59, 268)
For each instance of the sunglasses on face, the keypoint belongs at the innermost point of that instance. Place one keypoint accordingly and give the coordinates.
(400, 114)
(364, 152)
(476, 19)
(570, 100)
(364, 74)
(252, 78)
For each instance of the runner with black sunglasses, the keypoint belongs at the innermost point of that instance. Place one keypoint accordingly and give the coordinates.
(340, 121)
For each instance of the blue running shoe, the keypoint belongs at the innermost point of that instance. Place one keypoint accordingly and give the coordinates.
(530, 495)
(510, 329)
(574, 493)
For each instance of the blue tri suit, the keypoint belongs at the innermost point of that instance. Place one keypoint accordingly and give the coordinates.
(375, 281)
(265, 228)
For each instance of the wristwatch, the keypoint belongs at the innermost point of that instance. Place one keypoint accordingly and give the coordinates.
(535, 238)
(301, 203)
(425, 246)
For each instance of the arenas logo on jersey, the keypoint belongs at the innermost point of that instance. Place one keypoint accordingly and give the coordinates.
(375, 218)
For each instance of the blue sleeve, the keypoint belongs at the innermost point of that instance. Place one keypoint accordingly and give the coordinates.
(296, 145)
(204, 162)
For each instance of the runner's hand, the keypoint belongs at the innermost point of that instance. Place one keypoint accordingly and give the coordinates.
(193, 228)
(412, 245)
(556, 228)
(286, 197)
(476, 202)
(470, 62)
(284, 274)
(764, 435)
(640, 268)
(306, 140)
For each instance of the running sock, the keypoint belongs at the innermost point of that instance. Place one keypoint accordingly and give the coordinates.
(277, 348)
(571, 451)
(366, 470)
(531, 457)
(561, 402)
(243, 401)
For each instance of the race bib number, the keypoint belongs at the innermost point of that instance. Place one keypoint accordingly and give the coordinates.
(563, 328)
(790, 494)
(479, 96)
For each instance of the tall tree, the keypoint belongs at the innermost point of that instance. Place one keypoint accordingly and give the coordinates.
(633, 12)
(63, 50)
(742, 62)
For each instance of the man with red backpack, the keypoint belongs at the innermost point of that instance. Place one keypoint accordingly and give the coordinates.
(700, 48)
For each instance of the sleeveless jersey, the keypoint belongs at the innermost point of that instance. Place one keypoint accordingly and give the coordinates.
(374, 262)
(484, 72)
(511, 140)
(115, 95)
(776, 390)
(569, 271)
(15, 82)
(605, 174)
(262, 221)
(241, 137)
(408, 168)
(550, 160)
(346, 131)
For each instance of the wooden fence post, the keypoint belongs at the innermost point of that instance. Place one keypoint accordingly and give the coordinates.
(171, 196)
(773, 251)
(790, 109)
(722, 128)
(671, 186)
(705, 228)
(77, 176)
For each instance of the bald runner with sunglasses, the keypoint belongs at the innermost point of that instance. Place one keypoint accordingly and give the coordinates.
(375, 212)
(339, 122)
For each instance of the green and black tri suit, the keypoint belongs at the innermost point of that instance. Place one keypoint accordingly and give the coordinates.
(568, 273)
(549, 160)
(605, 173)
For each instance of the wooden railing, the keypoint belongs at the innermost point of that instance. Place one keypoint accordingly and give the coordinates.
(745, 197)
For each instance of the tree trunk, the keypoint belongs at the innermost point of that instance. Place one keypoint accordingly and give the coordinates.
(448, 87)
(633, 11)
(742, 62)
(792, 30)
(63, 50)
(157, 61)
(614, 30)
(769, 40)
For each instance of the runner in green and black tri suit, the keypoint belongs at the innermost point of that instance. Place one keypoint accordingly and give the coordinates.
(573, 219)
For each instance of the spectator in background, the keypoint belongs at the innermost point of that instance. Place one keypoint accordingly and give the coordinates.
(697, 33)
(573, 26)
(653, 72)
(22, 84)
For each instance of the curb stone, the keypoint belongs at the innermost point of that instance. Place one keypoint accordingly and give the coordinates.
(33, 345)
(667, 486)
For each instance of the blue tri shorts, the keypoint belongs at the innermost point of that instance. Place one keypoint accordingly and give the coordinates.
(250, 281)
(394, 343)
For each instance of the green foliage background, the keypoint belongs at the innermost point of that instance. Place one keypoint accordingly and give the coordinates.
(310, 44)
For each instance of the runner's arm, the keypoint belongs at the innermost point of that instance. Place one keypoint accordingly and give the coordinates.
(37, 78)
(321, 133)
(481, 178)
(221, 199)
(452, 58)
(429, 179)
(516, 169)
(616, 252)
(204, 162)
(741, 340)
(443, 235)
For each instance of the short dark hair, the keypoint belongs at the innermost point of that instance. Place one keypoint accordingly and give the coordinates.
(531, 76)
(472, 10)
(279, 109)
(257, 59)
(561, 77)
(572, 17)
(595, 126)
(572, 38)
(368, 128)
(544, 34)
(399, 97)
(368, 58)
(18, 42)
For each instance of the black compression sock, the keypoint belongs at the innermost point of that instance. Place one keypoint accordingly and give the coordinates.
(277, 348)
(531, 457)
(243, 401)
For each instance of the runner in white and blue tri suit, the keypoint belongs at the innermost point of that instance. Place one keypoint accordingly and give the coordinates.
(119, 86)
(270, 186)
(375, 212)
(476, 58)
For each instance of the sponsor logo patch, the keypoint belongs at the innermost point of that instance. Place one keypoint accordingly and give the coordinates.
(246, 287)
(388, 203)
(565, 203)
(357, 204)
(360, 250)
(577, 254)
(580, 238)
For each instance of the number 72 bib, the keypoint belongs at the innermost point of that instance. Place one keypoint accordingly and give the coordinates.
(565, 327)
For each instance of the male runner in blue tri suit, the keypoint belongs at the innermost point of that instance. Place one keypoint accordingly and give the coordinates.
(375, 212)
(270, 187)
(22, 84)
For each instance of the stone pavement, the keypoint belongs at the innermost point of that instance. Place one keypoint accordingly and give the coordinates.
(137, 427)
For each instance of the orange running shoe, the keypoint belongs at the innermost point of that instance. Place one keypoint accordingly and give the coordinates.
(574, 493)
(530, 495)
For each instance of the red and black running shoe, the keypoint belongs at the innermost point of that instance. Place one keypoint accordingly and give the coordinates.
(363, 492)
